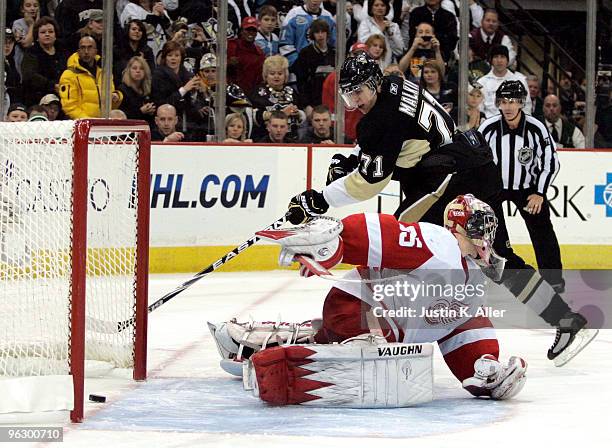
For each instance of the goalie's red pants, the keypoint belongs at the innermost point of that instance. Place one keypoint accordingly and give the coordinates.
(344, 317)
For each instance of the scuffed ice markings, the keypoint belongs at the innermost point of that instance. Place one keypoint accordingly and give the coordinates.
(220, 405)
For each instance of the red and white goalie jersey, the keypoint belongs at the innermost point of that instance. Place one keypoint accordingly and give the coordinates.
(417, 286)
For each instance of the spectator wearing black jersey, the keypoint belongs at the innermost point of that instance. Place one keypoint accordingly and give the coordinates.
(321, 129)
(12, 78)
(276, 95)
(44, 62)
(313, 65)
(132, 43)
(278, 128)
(136, 88)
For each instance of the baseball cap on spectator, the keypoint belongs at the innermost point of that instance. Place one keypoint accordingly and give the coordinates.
(358, 46)
(498, 50)
(249, 22)
(17, 106)
(48, 99)
(37, 116)
(209, 60)
(96, 15)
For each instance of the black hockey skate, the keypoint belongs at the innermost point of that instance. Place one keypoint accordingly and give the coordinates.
(571, 338)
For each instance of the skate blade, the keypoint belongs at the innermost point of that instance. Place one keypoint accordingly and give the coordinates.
(582, 339)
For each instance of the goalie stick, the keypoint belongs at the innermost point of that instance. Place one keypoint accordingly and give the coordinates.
(102, 326)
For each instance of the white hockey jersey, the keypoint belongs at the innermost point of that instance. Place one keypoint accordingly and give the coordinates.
(416, 281)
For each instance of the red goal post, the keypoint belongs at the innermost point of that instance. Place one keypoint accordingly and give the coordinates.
(74, 233)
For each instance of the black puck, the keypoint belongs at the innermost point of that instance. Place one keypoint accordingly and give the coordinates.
(97, 398)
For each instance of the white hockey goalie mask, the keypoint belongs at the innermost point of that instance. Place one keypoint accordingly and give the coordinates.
(318, 239)
(476, 220)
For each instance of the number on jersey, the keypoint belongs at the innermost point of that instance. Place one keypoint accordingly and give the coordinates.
(408, 237)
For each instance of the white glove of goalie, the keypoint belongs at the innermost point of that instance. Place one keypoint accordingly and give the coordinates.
(318, 240)
(492, 379)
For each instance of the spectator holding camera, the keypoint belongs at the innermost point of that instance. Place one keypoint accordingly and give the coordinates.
(192, 40)
(441, 20)
(425, 46)
(565, 133)
(276, 95)
(377, 23)
(173, 84)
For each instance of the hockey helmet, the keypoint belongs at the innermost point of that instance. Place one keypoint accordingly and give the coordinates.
(235, 97)
(511, 90)
(468, 216)
(358, 71)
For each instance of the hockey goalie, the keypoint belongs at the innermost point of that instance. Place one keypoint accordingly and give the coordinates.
(369, 349)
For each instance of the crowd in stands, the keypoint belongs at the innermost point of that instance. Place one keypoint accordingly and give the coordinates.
(281, 65)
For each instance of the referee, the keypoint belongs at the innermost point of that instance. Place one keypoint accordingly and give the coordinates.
(527, 159)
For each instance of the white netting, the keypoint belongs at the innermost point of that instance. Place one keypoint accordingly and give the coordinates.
(35, 239)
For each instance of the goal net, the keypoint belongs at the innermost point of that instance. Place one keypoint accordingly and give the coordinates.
(73, 258)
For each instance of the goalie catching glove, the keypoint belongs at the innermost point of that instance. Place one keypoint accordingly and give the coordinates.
(318, 240)
(306, 205)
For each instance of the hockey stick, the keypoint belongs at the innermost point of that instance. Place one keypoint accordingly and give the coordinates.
(101, 326)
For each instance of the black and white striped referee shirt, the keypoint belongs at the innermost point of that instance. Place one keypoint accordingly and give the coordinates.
(526, 156)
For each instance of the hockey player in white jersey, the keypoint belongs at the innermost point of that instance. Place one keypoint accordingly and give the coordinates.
(387, 253)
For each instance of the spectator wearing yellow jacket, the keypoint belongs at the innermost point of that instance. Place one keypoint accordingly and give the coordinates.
(81, 83)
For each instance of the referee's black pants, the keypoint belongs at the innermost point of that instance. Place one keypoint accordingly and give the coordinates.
(542, 234)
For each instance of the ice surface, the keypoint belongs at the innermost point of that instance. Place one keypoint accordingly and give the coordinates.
(189, 401)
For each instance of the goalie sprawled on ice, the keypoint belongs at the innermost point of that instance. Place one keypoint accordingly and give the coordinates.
(372, 347)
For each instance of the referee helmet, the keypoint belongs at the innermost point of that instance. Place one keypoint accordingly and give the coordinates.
(511, 90)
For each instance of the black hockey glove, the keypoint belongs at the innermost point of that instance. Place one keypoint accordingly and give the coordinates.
(340, 166)
(306, 205)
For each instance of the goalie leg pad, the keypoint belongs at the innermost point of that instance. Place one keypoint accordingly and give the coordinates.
(357, 375)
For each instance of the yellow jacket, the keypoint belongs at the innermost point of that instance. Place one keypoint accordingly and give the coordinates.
(80, 92)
